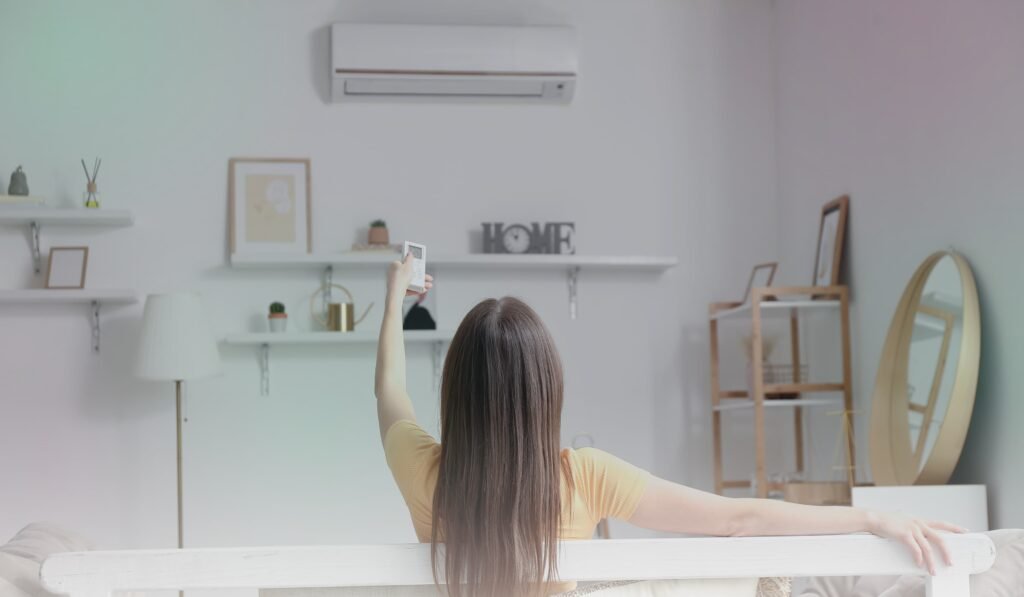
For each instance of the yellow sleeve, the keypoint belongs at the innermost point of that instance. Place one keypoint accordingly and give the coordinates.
(611, 487)
(409, 450)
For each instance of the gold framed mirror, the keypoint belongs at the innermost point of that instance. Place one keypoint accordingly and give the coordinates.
(927, 376)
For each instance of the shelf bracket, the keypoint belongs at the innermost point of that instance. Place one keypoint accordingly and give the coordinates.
(328, 285)
(95, 316)
(37, 259)
(574, 273)
(438, 359)
(264, 369)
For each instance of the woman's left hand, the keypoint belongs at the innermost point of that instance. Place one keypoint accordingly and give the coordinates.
(918, 535)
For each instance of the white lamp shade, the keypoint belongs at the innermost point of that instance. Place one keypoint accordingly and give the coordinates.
(177, 342)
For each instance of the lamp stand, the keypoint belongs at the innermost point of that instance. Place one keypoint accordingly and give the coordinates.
(177, 402)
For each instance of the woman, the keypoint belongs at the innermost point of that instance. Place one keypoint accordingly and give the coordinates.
(498, 491)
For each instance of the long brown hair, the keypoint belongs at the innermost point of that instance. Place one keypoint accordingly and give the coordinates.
(497, 504)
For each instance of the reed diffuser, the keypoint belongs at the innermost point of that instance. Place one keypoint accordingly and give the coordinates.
(91, 195)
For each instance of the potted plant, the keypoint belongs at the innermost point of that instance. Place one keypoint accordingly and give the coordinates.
(277, 318)
(378, 233)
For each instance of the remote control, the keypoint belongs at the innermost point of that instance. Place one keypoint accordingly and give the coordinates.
(419, 265)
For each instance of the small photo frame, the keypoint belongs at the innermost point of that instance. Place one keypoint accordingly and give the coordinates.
(760, 277)
(66, 267)
(269, 205)
(828, 258)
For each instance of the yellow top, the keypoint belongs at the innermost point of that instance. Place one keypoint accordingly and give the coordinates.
(606, 487)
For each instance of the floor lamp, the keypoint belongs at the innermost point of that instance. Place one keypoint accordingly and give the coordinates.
(176, 345)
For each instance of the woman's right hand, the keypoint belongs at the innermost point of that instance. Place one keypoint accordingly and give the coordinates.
(399, 276)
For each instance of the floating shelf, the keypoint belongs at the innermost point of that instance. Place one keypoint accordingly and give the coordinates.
(36, 217)
(749, 404)
(68, 296)
(776, 308)
(264, 340)
(299, 338)
(467, 261)
(24, 216)
(72, 296)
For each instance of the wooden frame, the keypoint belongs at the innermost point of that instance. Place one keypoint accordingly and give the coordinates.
(893, 460)
(770, 266)
(85, 265)
(842, 206)
(233, 209)
(102, 574)
(763, 298)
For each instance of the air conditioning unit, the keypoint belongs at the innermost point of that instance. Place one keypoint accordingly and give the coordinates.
(535, 64)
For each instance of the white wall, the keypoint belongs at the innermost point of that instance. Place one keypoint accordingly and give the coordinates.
(914, 109)
(667, 149)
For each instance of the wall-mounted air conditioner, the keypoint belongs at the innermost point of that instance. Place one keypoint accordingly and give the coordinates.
(449, 61)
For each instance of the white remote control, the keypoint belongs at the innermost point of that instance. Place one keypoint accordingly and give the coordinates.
(419, 265)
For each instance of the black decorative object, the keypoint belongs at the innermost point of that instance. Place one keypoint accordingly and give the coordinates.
(19, 183)
(419, 318)
(553, 237)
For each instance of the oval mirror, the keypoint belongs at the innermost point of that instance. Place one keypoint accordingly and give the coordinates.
(927, 377)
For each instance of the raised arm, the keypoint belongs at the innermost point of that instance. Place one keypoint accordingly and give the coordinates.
(667, 506)
(393, 403)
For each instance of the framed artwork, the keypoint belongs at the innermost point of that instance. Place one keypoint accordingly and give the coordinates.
(828, 258)
(269, 205)
(66, 267)
(760, 277)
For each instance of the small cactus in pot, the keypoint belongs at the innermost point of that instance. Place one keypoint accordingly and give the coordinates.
(378, 234)
(277, 319)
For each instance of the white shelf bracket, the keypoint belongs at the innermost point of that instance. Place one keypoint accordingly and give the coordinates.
(438, 359)
(37, 259)
(95, 317)
(328, 285)
(264, 369)
(574, 273)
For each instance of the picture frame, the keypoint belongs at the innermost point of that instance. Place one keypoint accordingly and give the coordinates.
(66, 267)
(760, 276)
(270, 206)
(828, 256)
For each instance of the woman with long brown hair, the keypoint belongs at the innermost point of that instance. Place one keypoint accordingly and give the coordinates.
(498, 492)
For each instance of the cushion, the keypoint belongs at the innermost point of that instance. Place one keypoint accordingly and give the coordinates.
(19, 577)
(40, 539)
(22, 556)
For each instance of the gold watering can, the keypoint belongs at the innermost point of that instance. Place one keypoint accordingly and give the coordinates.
(340, 317)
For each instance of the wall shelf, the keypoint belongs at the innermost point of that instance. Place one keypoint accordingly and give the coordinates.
(264, 340)
(742, 404)
(61, 296)
(38, 296)
(571, 264)
(299, 338)
(374, 260)
(23, 216)
(36, 217)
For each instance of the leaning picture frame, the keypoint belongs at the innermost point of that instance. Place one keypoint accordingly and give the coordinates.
(66, 267)
(760, 277)
(828, 257)
(269, 206)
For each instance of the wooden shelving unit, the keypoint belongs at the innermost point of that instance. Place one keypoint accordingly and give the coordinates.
(779, 302)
